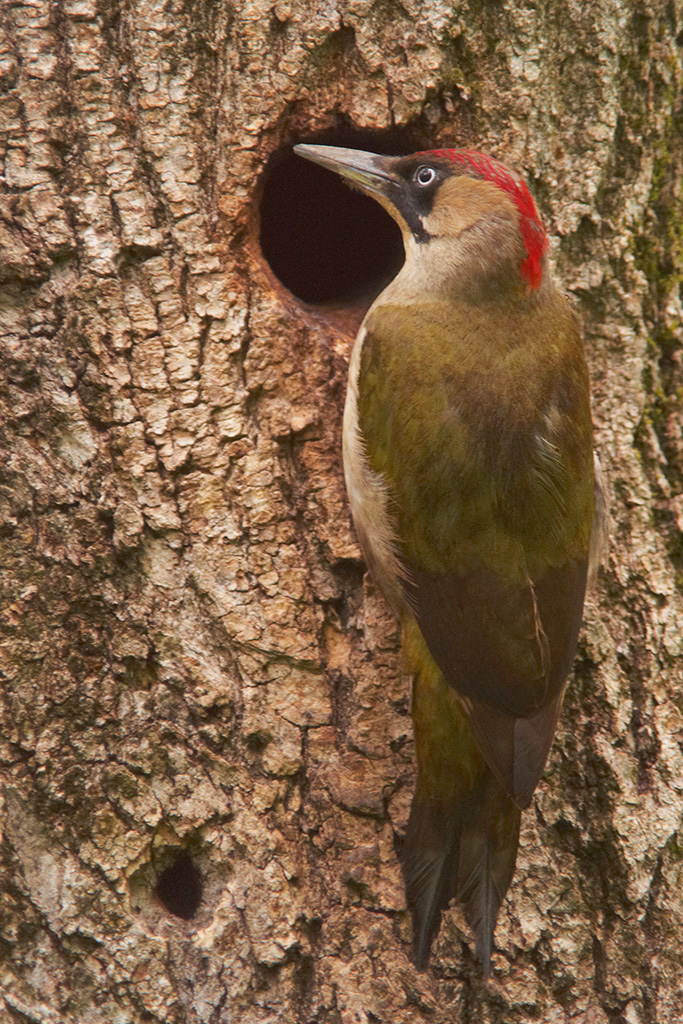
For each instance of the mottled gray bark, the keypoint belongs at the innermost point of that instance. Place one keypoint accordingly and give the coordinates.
(190, 657)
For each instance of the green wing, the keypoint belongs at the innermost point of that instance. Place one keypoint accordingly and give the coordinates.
(485, 445)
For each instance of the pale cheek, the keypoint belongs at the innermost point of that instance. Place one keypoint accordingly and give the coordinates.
(445, 222)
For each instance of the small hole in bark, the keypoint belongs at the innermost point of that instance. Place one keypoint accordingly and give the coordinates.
(330, 245)
(179, 887)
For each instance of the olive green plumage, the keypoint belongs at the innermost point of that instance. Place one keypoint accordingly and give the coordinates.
(484, 442)
(453, 414)
(469, 469)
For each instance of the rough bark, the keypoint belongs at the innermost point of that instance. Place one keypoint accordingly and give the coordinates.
(191, 658)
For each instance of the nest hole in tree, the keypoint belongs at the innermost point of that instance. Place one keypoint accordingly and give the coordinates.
(330, 245)
(179, 887)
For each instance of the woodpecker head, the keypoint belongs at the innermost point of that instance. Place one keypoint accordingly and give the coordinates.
(469, 223)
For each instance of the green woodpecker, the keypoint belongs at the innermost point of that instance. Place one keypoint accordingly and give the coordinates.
(469, 469)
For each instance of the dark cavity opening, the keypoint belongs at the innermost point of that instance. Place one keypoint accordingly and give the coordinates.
(179, 887)
(329, 244)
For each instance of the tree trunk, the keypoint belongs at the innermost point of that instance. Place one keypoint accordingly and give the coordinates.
(206, 748)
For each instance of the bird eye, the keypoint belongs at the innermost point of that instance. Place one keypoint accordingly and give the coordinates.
(424, 175)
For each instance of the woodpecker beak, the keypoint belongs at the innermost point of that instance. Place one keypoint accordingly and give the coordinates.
(369, 172)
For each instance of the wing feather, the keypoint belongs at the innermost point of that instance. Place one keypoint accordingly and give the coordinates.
(484, 445)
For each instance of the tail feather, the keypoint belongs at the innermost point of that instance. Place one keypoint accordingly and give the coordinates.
(429, 867)
(486, 863)
(466, 850)
(463, 828)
